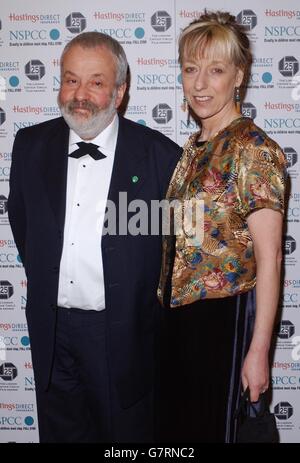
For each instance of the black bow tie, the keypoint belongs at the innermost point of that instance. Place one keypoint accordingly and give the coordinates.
(87, 148)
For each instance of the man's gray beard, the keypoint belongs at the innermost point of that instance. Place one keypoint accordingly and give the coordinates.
(93, 125)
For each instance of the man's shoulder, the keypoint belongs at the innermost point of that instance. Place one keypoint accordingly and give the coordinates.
(42, 127)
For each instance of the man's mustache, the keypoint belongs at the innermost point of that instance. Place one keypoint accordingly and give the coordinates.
(88, 105)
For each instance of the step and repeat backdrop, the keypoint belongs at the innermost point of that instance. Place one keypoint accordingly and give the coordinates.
(32, 36)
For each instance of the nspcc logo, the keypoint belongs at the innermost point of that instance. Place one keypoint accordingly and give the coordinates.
(283, 410)
(247, 18)
(248, 110)
(35, 69)
(2, 116)
(286, 329)
(3, 204)
(8, 371)
(288, 66)
(289, 245)
(291, 156)
(161, 21)
(162, 113)
(75, 23)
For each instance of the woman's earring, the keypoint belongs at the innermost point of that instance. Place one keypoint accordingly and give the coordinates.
(185, 108)
(237, 98)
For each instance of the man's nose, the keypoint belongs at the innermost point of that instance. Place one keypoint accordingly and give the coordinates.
(81, 92)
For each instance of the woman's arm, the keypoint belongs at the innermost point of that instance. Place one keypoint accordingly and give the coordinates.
(265, 226)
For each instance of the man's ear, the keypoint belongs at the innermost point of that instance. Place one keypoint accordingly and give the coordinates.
(120, 94)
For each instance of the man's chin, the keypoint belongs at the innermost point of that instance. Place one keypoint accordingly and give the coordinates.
(80, 114)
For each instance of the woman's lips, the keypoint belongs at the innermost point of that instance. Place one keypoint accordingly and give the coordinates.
(202, 99)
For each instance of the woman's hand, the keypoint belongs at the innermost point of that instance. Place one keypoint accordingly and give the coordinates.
(255, 373)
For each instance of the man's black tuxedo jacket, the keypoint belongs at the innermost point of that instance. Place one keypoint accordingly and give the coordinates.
(131, 263)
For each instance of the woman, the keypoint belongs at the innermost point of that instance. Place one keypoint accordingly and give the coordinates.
(208, 290)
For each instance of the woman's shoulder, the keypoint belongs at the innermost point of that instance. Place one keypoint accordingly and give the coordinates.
(255, 145)
(249, 134)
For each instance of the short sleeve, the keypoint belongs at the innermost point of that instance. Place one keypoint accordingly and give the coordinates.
(261, 177)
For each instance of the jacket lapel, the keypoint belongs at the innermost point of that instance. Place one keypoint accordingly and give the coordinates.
(54, 167)
(129, 172)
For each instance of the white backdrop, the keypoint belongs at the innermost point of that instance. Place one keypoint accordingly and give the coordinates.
(32, 35)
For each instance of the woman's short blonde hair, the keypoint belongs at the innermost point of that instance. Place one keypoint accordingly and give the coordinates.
(216, 35)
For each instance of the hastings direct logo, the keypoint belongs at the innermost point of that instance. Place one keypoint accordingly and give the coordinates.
(75, 23)
(18, 407)
(14, 327)
(34, 18)
(289, 14)
(159, 62)
(37, 110)
(132, 17)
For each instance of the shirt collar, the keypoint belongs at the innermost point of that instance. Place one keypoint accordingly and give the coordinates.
(106, 140)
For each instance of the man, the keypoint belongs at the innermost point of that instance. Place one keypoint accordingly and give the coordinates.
(91, 300)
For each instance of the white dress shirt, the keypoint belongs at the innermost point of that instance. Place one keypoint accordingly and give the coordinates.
(81, 281)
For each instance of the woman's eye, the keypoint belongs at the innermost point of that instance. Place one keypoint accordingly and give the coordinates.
(217, 70)
(189, 69)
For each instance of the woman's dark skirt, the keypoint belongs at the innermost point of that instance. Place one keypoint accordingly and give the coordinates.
(200, 352)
